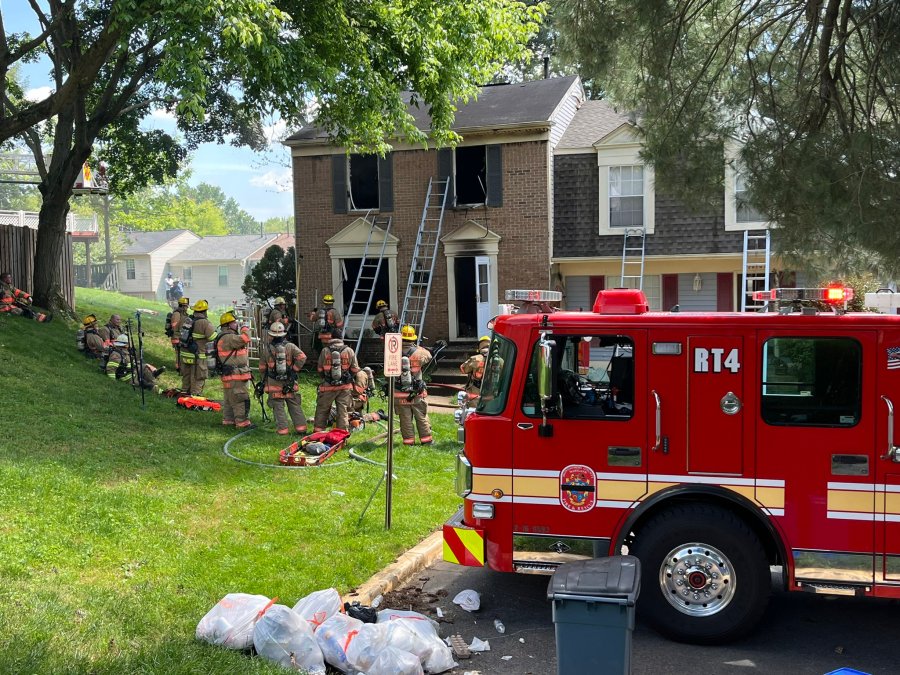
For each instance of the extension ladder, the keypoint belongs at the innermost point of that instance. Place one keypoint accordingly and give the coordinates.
(367, 276)
(755, 272)
(633, 258)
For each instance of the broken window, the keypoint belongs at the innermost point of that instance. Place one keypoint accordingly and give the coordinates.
(363, 191)
(471, 175)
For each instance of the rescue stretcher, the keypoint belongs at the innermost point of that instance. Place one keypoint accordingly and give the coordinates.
(198, 403)
(297, 455)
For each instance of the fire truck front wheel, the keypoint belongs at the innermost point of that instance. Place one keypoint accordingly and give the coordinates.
(705, 578)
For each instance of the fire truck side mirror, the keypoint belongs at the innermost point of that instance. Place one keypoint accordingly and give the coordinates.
(545, 382)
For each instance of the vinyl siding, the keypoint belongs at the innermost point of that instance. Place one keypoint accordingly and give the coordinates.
(141, 284)
(690, 300)
(205, 283)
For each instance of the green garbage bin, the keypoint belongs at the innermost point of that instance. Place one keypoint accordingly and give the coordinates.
(593, 614)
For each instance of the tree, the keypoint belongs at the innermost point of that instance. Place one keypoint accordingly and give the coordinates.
(218, 66)
(808, 88)
(273, 276)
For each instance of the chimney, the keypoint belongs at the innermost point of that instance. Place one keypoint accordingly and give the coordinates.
(546, 67)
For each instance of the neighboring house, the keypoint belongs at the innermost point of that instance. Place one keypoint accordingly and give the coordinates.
(496, 228)
(142, 265)
(214, 268)
(602, 188)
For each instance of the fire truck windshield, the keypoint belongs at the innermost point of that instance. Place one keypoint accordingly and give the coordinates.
(498, 369)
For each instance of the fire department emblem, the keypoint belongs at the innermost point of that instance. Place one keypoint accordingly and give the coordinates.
(578, 488)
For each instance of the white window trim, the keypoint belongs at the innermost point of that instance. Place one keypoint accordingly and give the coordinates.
(624, 154)
(227, 276)
(732, 160)
(132, 269)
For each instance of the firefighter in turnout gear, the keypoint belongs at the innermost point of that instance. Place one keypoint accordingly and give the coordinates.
(363, 388)
(118, 365)
(89, 339)
(111, 330)
(473, 368)
(196, 332)
(17, 302)
(337, 366)
(411, 398)
(232, 361)
(386, 321)
(280, 363)
(327, 321)
(173, 330)
(279, 309)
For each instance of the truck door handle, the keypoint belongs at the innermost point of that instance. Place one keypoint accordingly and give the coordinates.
(658, 421)
(893, 452)
(525, 426)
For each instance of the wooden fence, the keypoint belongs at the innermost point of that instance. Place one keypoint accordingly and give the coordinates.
(17, 247)
(102, 276)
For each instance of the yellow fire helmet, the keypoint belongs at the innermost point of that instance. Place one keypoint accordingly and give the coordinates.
(328, 299)
(184, 302)
(89, 320)
(279, 301)
(484, 339)
(409, 333)
(381, 304)
(227, 318)
(200, 306)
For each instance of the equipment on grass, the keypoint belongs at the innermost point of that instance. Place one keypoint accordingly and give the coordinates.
(198, 403)
(314, 449)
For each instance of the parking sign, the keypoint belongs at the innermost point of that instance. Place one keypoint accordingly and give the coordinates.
(393, 352)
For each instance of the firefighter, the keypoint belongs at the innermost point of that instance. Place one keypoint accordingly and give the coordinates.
(232, 361)
(386, 321)
(89, 339)
(280, 364)
(173, 330)
(327, 321)
(279, 310)
(337, 366)
(473, 368)
(118, 365)
(363, 388)
(17, 302)
(196, 333)
(111, 330)
(411, 398)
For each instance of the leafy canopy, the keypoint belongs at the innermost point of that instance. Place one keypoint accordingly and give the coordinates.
(808, 88)
(273, 276)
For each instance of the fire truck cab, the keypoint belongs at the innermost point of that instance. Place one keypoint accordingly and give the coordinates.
(710, 445)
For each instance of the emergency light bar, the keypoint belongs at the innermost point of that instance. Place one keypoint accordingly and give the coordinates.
(833, 294)
(533, 296)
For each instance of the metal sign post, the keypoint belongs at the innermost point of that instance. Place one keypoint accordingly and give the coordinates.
(393, 351)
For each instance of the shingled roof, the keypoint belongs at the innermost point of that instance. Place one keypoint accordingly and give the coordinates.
(143, 243)
(230, 247)
(522, 104)
(593, 121)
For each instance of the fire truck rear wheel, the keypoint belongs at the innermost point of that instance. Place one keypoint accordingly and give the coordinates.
(704, 574)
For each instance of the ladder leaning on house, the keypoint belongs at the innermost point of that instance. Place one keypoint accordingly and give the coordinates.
(755, 272)
(633, 258)
(421, 268)
(367, 276)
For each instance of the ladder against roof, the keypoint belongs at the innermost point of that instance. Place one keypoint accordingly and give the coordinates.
(755, 271)
(633, 257)
(367, 276)
(421, 268)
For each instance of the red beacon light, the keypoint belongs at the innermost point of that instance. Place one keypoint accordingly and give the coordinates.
(833, 295)
(621, 301)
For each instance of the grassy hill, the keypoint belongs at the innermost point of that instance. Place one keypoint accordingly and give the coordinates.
(121, 526)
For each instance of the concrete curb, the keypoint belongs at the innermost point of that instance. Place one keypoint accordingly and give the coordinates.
(399, 572)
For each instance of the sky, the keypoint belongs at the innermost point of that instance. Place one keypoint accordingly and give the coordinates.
(259, 182)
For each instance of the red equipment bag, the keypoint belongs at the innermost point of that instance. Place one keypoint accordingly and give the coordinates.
(294, 454)
(198, 403)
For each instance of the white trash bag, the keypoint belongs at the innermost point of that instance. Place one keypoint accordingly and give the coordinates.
(440, 656)
(334, 636)
(468, 599)
(319, 606)
(404, 637)
(230, 623)
(282, 636)
(393, 661)
(366, 645)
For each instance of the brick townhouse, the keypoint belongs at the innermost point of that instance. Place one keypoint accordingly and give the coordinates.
(496, 228)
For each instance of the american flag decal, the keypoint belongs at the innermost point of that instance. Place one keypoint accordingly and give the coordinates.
(893, 358)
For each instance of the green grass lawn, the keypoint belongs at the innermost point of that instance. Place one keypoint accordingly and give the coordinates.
(120, 527)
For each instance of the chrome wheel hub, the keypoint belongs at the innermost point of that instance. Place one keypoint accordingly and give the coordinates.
(697, 579)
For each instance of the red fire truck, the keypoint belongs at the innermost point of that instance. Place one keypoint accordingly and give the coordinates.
(710, 445)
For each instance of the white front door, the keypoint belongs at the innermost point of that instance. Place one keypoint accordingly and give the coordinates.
(483, 292)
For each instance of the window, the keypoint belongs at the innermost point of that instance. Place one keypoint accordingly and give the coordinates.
(187, 275)
(626, 196)
(223, 275)
(594, 378)
(811, 382)
(746, 213)
(498, 372)
(652, 287)
(129, 268)
(471, 175)
(350, 274)
(363, 181)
